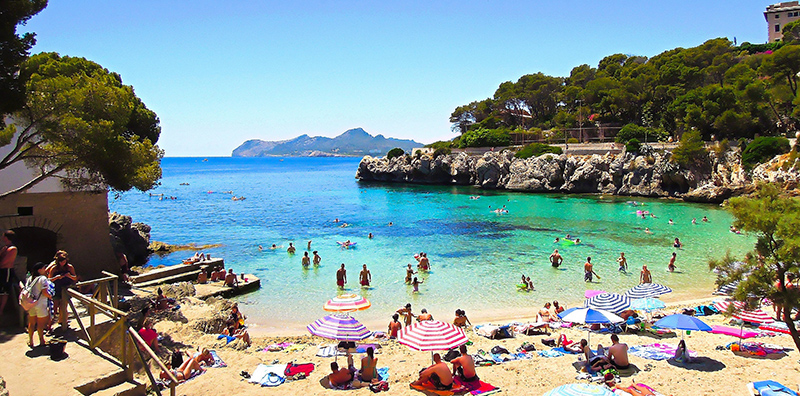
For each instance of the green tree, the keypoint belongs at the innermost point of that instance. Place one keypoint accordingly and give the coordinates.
(774, 218)
(82, 125)
(791, 32)
(13, 51)
(764, 148)
(691, 151)
(395, 152)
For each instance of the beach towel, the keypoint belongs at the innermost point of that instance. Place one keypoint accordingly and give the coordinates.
(329, 351)
(476, 387)
(363, 347)
(293, 370)
(277, 347)
(771, 388)
(657, 351)
(272, 375)
(228, 339)
(567, 352)
(755, 348)
(383, 373)
(551, 353)
(428, 387)
(218, 362)
(621, 392)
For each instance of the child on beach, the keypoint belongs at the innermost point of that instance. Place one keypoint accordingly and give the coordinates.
(416, 282)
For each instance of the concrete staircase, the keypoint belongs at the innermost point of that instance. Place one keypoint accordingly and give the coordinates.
(176, 273)
(114, 384)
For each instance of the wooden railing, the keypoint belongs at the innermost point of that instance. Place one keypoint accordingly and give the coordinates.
(130, 340)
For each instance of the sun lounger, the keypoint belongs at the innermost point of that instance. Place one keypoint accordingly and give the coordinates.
(769, 388)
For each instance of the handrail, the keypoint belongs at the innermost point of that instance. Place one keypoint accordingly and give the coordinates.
(98, 280)
(92, 301)
(143, 346)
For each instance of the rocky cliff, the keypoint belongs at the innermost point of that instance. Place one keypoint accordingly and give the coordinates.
(652, 175)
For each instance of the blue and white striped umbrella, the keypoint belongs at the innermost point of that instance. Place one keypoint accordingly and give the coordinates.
(340, 328)
(647, 290)
(611, 302)
(579, 390)
(647, 304)
(589, 316)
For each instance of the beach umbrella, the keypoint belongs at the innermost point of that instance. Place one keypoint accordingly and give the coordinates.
(722, 306)
(756, 316)
(432, 335)
(647, 304)
(592, 293)
(647, 290)
(611, 302)
(347, 303)
(340, 328)
(682, 322)
(589, 316)
(579, 390)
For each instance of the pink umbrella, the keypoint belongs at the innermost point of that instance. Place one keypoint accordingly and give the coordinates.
(755, 316)
(432, 335)
(592, 293)
(347, 303)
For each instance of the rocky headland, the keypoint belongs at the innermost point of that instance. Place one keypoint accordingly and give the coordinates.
(626, 174)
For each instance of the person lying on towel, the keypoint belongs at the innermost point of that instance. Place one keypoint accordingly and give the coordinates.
(464, 366)
(438, 374)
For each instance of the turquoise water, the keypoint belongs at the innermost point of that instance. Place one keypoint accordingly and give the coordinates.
(476, 254)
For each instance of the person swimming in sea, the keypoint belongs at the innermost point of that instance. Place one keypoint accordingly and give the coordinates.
(705, 219)
(677, 244)
(557, 240)
(671, 222)
(647, 231)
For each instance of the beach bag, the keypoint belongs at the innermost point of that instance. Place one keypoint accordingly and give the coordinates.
(26, 299)
(499, 350)
(451, 354)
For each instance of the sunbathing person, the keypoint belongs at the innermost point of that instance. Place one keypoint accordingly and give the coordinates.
(183, 372)
(464, 366)
(545, 313)
(343, 378)
(594, 362)
(230, 279)
(438, 374)
(369, 364)
(618, 353)
(240, 333)
(636, 390)
(203, 358)
(570, 346)
(461, 319)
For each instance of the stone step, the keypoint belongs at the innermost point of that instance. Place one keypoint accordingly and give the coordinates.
(176, 269)
(123, 389)
(182, 277)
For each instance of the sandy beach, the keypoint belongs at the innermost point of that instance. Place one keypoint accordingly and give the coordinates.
(717, 372)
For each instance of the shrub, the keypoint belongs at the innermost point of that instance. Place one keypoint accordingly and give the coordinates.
(441, 151)
(762, 149)
(573, 141)
(691, 150)
(722, 147)
(640, 133)
(395, 152)
(441, 144)
(537, 149)
(633, 146)
(482, 137)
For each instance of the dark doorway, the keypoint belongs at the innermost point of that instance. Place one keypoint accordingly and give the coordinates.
(37, 244)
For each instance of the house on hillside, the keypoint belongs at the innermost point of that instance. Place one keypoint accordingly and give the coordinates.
(778, 15)
(49, 217)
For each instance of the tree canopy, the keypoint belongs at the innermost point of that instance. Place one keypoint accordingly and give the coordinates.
(768, 270)
(81, 124)
(14, 50)
(718, 89)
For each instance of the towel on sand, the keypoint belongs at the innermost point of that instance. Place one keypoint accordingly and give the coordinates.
(329, 351)
(218, 362)
(272, 375)
(657, 351)
(460, 387)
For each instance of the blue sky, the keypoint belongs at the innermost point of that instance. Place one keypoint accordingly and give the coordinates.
(221, 72)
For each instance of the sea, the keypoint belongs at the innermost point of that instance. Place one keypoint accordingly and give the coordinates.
(477, 254)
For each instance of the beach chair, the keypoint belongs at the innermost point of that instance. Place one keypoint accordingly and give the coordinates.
(770, 388)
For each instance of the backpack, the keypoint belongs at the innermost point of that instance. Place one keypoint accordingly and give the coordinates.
(26, 299)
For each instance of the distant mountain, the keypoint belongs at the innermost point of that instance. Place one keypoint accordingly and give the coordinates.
(355, 142)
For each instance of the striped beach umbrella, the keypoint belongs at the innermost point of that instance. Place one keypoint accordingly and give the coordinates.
(579, 390)
(589, 316)
(756, 316)
(722, 306)
(432, 335)
(340, 328)
(347, 303)
(647, 304)
(646, 290)
(611, 302)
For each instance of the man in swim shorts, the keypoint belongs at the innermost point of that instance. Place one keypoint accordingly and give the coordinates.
(618, 353)
(438, 374)
(588, 271)
(317, 258)
(365, 277)
(407, 315)
(341, 277)
(556, 259)
(291, 249)
(623, 262)
(464, 366)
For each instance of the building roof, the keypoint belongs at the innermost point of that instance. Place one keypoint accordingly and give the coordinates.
(785, 6)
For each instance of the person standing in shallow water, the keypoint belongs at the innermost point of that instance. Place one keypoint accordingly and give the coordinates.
(623, 262)
(588, 271)
(645, 276)
(671, 266)
(365, 277)
(306, 260)
(317, 259)
(556, 259)
(341, 277)
(409, 273)
(291, 249)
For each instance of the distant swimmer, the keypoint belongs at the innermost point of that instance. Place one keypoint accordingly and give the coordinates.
(474, 197)
(694, 220)
(344, 225)
(647, 230)
(306, 260)
(336, 220)
(260, 248)
(365, 277)
(556, 259)
(409, 273)
(677, 244)
(370, 236)
(671, 222)
(317, 259)
(274, 246)
(416, 282)
(735, 230)
(391, 224)
(341, 277)
(291, 249)
(308, 246)
(671, 266)
(653, 216)
(645, 276)
(623, 262)
(588, 271)
(705, 219)
(557, 240)
(577, 241)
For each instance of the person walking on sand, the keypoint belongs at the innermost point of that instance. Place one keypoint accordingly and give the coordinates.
(671, 266)
(365, 277)
(306, 260)
(645, 276)
(409, 273)
(623, 262)
(394, 326)
(556, 259)
(588, 271)
(317, 259)
(341, 277)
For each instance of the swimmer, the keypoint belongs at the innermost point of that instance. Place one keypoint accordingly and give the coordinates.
(694, 220)
(273, 247)
(370, 235)
(336, 220)
(391, 224)
(577, 241)
(557, 240)
(647, 230)
(671, 266)
(556, 259)
(705, 219)
(735, 230)
(671, 222)
(291, 249)
(306, 260)
(317, 259)
(653, 216)
(677, 244)
(409, 274)
(623, 262)
(260, 248)
(344, 225)
(568, 237)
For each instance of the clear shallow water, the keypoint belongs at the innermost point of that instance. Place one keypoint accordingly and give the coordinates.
(477, 256)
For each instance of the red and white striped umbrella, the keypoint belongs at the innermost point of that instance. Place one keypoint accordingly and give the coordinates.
(432, 335)
(755, 316)
(722, 306)
(347, 303)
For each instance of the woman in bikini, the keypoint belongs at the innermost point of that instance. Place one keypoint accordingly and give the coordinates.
(368, 367)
